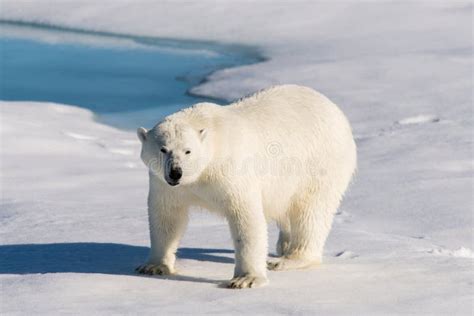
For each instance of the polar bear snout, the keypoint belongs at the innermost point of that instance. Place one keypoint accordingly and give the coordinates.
(173, 171)
(174, 175)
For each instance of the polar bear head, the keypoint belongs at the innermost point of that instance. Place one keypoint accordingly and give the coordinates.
(175, 151)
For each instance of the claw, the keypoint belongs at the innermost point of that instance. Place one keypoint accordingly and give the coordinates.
(153, 269)
(247, 281)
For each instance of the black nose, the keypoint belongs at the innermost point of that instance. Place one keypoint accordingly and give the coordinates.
(176, 173)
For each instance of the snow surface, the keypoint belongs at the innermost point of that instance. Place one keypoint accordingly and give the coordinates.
(73, 223)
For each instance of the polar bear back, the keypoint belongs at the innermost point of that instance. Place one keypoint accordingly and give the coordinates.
(296, 121)
(291, 108)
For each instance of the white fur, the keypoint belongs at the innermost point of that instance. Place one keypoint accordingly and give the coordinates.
(286, 153)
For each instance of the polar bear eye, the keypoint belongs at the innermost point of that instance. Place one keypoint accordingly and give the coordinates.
(188, 152)
(163, 150)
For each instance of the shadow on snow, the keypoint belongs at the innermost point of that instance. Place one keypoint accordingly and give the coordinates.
(106, 258)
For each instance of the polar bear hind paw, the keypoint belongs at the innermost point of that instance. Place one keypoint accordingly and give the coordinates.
(246, 281)
(154, 269)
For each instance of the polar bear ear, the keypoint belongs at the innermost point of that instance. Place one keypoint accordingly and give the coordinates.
(141, 133)
(202, 133)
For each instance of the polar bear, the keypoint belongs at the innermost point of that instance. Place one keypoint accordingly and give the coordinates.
(285, 153)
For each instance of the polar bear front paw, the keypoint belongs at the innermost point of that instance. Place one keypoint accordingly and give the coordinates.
(154, 269)
(246, 281)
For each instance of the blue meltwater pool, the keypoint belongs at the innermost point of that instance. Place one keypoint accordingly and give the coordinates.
(127, 81)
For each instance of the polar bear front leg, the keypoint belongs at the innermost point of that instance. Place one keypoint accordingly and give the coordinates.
(249, 233)
(167, 225)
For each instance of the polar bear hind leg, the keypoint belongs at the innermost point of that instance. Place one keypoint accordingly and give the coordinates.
(310, 223)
